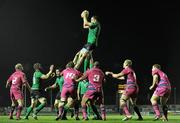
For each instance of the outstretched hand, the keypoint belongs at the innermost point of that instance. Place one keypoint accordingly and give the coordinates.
(85, 13)
(108, 73)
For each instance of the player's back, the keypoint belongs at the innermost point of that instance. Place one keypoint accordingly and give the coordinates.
(17, 79)
(95, 77)
(163, 77)
(70, 74)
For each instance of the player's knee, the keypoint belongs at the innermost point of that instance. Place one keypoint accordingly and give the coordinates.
(122, 102)
(62, 103)
(56, 104)
(45, 101)
(152, 100)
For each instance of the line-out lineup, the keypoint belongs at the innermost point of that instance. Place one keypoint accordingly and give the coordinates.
(83, 89)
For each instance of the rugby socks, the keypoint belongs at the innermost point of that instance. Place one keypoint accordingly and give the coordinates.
(29, 110)
(88, 110)
(165, 111)
(39, 108)
(94, 108)
(136, 109)
(156, 110)
(103, 112)
(126, 111)
(84, 111)
(76, 108)
(11, 112)
(61, 111)
(19, 109)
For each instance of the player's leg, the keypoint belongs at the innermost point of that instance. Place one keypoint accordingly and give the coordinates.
(102, 106)
(135, 107)
(163, 100)
(43, 102)
(31, 107)
(64, 97)
(67, 107)
(61, 108)
(56, 103)
(76, 109)
(154, 102)
(19, 108)
(84, 107)
(13, 104)
(75, 60)
(82, 55)
(123, 105)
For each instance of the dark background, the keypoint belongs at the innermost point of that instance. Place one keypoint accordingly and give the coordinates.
(51, 32)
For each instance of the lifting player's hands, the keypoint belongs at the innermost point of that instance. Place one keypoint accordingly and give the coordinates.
(151, 87)
(51, 68)
(47, 88)
(85, 13)
(108, 73)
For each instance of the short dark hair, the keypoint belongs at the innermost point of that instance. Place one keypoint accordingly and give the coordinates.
(96, 64)
(70, 64)
(157, 66)
(95, 17)
(37, 66)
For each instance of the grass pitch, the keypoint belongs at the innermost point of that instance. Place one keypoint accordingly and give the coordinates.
(111, 118)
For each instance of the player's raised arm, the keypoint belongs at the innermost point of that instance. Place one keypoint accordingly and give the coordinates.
(86, 23)
(49, 73)
(118, 75)
(84, 76)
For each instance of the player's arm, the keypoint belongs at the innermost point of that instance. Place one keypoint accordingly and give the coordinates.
(27, 86)
(25, 82)
(46, 76)
(86, 23)
(83, 77)
(118, 75)
(155, 80)
(78, 91)
(51, 87)
(8, 83)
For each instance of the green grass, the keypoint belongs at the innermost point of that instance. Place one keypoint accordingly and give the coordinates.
(110, 119)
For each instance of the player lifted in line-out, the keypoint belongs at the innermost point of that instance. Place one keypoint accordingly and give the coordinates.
(36, 92)
(16, 81)
(92, 40)
(131, 90)
(162, 91)
(95, 91)
(68, 93)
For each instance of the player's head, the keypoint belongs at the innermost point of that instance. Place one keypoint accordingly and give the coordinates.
(94, 19)
(70, 64)
(127, 63)
(37, 66)
(19, 67)
(57, 72)
(156, 66)
(96, 64)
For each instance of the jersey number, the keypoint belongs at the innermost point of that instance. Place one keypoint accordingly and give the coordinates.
(14, 80)
(70, 75)
(96, 78)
